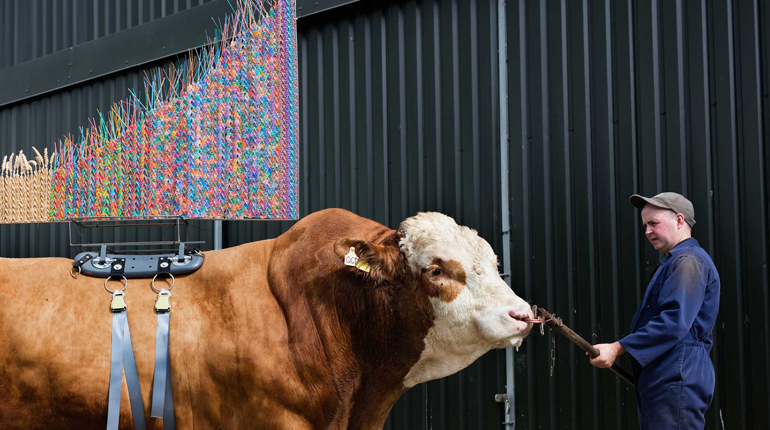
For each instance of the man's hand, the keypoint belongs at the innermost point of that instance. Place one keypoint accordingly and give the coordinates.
(608, 352)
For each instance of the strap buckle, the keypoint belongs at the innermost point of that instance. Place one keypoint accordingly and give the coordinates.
(118, 301)
(162, 304)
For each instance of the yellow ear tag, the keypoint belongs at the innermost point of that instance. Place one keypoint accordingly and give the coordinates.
(363, 265)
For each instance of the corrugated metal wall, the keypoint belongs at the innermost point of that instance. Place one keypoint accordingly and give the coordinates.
(31, 29)
(609, 98)
(606, 98)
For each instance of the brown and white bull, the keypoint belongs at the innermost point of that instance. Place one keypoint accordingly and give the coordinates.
(276, 334)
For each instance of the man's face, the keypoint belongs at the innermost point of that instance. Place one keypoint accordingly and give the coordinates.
(662, 227)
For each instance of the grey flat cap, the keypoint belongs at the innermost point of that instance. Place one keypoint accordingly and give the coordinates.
(673, 201)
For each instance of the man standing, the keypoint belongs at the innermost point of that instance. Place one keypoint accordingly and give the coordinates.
(670, 335)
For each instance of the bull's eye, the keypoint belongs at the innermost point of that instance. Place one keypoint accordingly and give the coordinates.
(436, 272)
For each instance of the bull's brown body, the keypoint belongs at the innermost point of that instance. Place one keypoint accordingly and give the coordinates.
(267, 335)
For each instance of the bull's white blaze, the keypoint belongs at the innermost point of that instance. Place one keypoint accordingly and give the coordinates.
(478, 319)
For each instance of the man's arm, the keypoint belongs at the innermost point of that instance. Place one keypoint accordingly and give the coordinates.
(679, 300)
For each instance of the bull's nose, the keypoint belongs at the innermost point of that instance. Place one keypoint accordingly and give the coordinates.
(521, 315)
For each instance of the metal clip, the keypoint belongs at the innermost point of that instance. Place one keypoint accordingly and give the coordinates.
(162, 304)
(118, 301)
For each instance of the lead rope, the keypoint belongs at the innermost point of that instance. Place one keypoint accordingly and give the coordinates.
(122, 357)
(162, 396)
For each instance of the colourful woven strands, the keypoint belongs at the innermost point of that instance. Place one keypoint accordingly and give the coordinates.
(213, 137)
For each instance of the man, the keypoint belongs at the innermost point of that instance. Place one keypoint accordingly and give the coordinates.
(670, 335)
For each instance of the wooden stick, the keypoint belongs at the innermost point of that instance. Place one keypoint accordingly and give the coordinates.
(558, 326)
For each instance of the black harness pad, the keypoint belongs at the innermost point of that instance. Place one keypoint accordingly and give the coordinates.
(137, 266)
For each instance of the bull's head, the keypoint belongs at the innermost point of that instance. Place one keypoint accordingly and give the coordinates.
(473, 309)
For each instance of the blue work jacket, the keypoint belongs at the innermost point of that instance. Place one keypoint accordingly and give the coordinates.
(671, 339)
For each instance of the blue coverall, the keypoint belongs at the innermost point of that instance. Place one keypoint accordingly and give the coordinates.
(671, 339)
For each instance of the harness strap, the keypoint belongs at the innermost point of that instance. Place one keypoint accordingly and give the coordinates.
(83, 260)
(162, 397)
(123, 356)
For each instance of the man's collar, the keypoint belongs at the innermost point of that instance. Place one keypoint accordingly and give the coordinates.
(680, 247)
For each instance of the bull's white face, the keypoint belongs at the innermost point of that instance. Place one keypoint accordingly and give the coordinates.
(475, 310)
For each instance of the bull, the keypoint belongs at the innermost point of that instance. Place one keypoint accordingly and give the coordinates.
(275, 334)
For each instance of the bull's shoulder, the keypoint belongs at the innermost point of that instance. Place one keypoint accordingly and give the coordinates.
(331, 214)
(334, 223)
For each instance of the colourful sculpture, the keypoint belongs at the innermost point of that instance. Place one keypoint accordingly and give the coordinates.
(215, 137)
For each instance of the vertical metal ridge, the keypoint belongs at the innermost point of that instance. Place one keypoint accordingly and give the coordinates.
(635, 151)
(548, 191)
(437, 106)
(384, 75)
(659, 110)
(16, 50)
(304, 137)
(338, 168)
(35, 32)
(590, 197)
(456, 110)
(55, 27)
(129, 8)
(474, 76)
(108, 29)
(495, 97)
(420, 60)
(568, 216)
(354, 165)
(612, 131)
(402, 115)
(735, 209)
(525, 192)
(368, 72)
(321, 179)
(707, 122)
(505, 215)
(44, 49)
(682, 114)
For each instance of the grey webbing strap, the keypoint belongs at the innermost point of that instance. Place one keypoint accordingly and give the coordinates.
(162, 397)
(123, 355)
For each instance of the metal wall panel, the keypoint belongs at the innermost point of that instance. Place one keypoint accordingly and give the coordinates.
(31, 29)
(609, 98)
(606, 98)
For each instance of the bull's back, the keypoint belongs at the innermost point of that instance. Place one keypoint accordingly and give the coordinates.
(55, 334)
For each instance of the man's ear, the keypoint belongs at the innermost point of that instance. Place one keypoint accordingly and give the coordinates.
(680, 219)
(382, 260)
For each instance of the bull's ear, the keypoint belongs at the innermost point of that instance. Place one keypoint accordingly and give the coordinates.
(382, 261)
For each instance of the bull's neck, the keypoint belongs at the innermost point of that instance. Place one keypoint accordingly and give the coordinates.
(382, 339)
